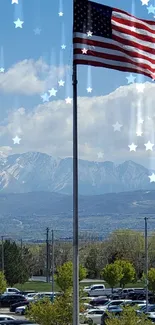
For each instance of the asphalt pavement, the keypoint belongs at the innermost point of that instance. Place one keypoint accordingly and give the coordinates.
(6, 311)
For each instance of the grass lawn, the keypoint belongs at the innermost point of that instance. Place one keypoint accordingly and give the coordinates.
(43, 286)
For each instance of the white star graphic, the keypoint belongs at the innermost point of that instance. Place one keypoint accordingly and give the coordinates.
(133, 29)
(152, 178)
(37, 31)
(18, 23)
(149, 146)
(2, 70)
(139, 133)
(52, 92)
(100, 154)
(132, 147)
(60, 14)
(84, 51)
(140, 87)
(45, 97)
(89, 89)
(131, 78)
(140, 121)
(63, 46)
(117, 126)
(89, 33)
(61, 83)
(68, 100)
(16, 140)
(14, 1)
(145, 2)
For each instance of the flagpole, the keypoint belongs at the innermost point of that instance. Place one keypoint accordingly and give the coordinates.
(75, 203)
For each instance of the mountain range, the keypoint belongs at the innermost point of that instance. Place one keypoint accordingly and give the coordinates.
(34, 171)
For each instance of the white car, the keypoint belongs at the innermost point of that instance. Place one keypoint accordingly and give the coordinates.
(93, 314)
(6, 317)
(115, 303)
(30, 296)
(20, 310)
(12, 290)
(95, 290)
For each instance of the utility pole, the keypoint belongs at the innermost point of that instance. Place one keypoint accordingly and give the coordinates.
(146, 261)
(52, 261)
(47, 256)
(21, 248)
(2, 237)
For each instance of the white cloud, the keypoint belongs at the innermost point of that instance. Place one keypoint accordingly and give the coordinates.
(30, 77)
(48, 127)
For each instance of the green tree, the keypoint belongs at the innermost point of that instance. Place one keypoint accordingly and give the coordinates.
(151, 279)
(112, 274)
(3, 283)
(91, 262)
(59, 312)
(128, 317)
(16, 263)
(64, 276)
(128, 272)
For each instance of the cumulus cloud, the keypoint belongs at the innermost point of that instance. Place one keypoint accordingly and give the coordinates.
(48, 127)
(29, 77)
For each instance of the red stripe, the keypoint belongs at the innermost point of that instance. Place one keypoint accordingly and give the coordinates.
(103, 45)
(113, 57)
(98, 64)
(124, 41)
(148, 22)
(131, 23)
(144, 38)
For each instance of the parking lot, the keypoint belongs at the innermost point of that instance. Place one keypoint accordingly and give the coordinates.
(6, 311)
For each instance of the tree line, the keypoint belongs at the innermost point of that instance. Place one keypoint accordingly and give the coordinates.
(20, 263)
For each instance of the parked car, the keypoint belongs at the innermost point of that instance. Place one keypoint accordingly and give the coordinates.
(17, 322)
(121, 302)
(6, 317)
(12, 290)
(95, 288)
(21, 310)
(6, 300)
(115, 311)
(99, 301)
(18, 304)
(92, 314)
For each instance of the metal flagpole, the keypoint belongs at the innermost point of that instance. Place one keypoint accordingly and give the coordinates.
(75, 200)
(146, 261)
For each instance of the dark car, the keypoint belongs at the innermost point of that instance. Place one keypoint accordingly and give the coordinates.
(18, 304)
(98, 301)
(116, 311)
(8, 300)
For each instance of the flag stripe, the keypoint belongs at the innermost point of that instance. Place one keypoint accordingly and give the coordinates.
(113, 56)
(128, 46)
(80, 60)
(110, 49)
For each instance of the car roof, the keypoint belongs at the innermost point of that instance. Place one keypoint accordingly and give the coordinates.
(17, 321)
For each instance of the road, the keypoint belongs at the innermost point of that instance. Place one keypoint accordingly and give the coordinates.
(6, 311)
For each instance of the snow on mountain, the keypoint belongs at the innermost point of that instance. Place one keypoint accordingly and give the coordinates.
(34, 171)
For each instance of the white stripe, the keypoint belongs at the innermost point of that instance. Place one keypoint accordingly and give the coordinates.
(133, 39)
(113, 42)
(132, 19)
(116, 52)
(110, 62)
(137, 30)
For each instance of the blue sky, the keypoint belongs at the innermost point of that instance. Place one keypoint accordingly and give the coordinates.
(35, 63)
(20, 44)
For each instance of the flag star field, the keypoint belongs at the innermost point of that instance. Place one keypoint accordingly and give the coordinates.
(116, 91)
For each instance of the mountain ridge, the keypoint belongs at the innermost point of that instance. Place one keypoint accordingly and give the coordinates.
(35, 171)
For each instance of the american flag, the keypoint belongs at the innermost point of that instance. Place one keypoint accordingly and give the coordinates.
(112, 38)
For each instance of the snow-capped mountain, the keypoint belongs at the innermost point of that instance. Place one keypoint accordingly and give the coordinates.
(34, 171)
